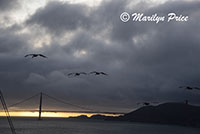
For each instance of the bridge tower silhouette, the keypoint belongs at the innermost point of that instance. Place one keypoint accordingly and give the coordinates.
(40, 107)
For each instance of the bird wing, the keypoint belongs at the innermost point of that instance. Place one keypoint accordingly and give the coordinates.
(42, 55)
(189, 88)
(104, 73)
(82, 73)
(70, 74)
(94, 72)
(28, 55)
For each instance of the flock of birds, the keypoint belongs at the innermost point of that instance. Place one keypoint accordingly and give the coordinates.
(74, 74)
(96, 73)
(184, 87)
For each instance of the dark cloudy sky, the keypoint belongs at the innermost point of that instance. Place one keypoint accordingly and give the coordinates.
(145, 61)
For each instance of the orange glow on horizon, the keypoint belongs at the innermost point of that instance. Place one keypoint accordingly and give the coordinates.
(50, 114)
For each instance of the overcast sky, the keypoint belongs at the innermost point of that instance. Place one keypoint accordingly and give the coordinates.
(145, 61)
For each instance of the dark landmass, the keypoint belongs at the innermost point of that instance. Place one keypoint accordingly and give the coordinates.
(167, 113)
(94, 117)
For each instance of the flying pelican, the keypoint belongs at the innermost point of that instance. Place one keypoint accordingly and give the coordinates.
(147, 103)
(98, 73)
(76, 74)
(35, 55)
(143, 103)
(190, 88)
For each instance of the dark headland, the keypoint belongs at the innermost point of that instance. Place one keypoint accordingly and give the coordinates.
(167, 113)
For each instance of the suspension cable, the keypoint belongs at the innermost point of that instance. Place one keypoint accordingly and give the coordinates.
(61, 101)
(22, 101)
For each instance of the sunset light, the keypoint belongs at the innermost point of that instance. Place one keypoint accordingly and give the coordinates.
(50, 114)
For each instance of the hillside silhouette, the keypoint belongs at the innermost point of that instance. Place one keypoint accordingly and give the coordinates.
(167, 113)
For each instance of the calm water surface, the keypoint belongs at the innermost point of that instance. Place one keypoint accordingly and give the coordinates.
(63, 126)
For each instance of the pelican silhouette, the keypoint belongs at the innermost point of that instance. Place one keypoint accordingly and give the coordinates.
(76, 74)
(144, 103)
(98, 73)
(189, 88)
(147, 103)
(35, 55)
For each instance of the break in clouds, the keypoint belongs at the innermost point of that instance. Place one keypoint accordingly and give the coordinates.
(145, 61)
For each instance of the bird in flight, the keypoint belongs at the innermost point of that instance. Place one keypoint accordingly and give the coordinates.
(76, 74)
(146, 103)
(35, 55)
(98, 73)
(189, 88)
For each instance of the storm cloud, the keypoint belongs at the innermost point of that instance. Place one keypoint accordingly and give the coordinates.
(7, 4)
(59, 17)
(145, 61)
